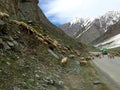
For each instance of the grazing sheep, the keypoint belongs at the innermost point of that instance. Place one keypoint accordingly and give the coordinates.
(65, 48)
(77, 52)
(40, 39)
(98, 55)
(3, 15)
(71, 56)
(64, 60)
(110, 56)
(88, 58)
(63, 51)
(82, 58)
(83, 63)
(45, 43)
(55, 43)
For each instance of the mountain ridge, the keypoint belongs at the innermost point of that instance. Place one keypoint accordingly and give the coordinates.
(88, 32)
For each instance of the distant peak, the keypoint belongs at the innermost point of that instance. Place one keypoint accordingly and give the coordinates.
(80, 20)
(76, 20)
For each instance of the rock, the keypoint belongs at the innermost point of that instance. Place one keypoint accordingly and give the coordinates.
(97, 82)
(31, 80)
(49, 81)
(24, 74)
(52, 82)
(1, 41)
(8, 63)
(1, 44)
(2, 23)
(6, 47)
(0, 70)
(37, 76)
(11, 38)
(10, 43)
(54, 54)
(30, 22)
(60, 84)
(16, 88)
(15, 43)
(18, 57)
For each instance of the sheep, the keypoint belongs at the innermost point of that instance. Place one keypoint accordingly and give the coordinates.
(63, 51)
(65, 48)
(98, 55)
(77, 52)
(111, 56)
(64, 60)
(41, 39)
(82, 58)
(83, 63)
(3, 15)
(55, 43)
(45, 43)
(71, 56)
(88, 58)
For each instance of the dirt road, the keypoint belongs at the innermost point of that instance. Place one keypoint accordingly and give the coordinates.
(109, 70)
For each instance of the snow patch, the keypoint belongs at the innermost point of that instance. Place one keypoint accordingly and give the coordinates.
(110, 43)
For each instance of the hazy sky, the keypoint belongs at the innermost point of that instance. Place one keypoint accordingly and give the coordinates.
(62, 11)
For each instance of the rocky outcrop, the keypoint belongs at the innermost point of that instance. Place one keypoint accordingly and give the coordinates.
(26, 58)
(22, 9)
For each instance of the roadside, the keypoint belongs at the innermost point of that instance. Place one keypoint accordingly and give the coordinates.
(108, 69)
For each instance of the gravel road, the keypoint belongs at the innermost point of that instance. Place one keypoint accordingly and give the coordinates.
(109, 70)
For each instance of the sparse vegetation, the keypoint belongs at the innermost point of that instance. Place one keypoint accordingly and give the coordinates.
(28, 64)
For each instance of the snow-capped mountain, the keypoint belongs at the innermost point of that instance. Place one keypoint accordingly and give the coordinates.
(88, 30)
(108, 19)
(109, 39)
(75, 25)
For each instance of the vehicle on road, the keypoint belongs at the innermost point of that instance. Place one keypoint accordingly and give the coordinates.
(104, 51)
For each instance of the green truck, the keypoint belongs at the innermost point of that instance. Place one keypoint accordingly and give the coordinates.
(104, 51)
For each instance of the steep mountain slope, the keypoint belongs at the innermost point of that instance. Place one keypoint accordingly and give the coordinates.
(88, 32)
(76, 25)
(113, 30)
(29, 11)
(35, 55)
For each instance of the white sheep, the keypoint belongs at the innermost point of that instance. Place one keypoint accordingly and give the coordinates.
(83, 63)
(64, 60)
(3, 15)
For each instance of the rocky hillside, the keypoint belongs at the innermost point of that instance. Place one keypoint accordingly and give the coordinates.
(110, 39)
(87, 31)
(35, 55)
(27, 58)
(28, 11)
(112, 31)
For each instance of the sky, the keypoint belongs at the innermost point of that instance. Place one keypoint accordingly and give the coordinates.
(63, 11)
